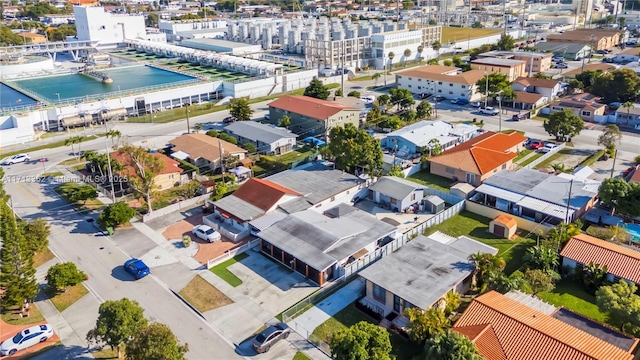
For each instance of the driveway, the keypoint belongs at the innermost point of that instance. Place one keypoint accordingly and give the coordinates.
(7, 331)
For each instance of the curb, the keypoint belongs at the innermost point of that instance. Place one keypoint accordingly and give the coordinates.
(188, 304)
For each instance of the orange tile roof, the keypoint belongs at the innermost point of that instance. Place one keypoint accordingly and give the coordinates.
(308, 106)
(635, 177)
(261, 193)
(523, 333)
(430, 69)
(204, 146)
(170, 166)
(506, 220)
(620, 260)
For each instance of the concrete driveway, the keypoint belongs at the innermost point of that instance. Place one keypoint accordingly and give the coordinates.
(7, 331)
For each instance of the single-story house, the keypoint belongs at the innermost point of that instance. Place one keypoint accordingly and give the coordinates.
(168, 177)
(598, 67)
(419, 274)
(568, 51)
(517, 326)
(546, 87)
(476, 160)
(412, 139)
(587, 106)
(396, 193)
(538, 197)
(623, 262)
(317, 245)
(267, 138)
(628, 116)
(526, 100)
(204, 151)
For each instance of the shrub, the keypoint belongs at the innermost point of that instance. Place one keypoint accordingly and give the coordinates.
(354, 93)
(116, 214)
(186, 241)
(60, 276)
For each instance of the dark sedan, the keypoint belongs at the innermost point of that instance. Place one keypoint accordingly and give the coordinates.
(270, 336)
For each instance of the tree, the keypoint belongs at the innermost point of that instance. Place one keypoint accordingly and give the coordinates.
(145, 167)
(72, 141)
(502, 283)
(620, 85)
(115, 136)
(499, 84)
(285, 121)
(424, 324)
(447, 62)
(152, 20)
(155, 341)
(620, 195)
(352, 148)
(434, 147)
(219, 191)
(240, 109)
(339, 92)
(587, 78)
(505, 42)
(391, 56)
(354, 93)
(375, 78)
(250, 147)
(74, 193)
(36, 234)
(383, 100)
(406, 54)
(477, 25)
(420, 50)
(573, 86)
(436, 46)
(563, 125)
(594, 276)
(485, 267)
(540, 75)
(423, 110)
(541, 258)
(396, 171)
(473, 54)
(197, 128)
(118, 322)
(452, 300)
(60, 276)
(450, 345)
(621, 303)
(316, 89)
(116, 214)
(364, 341)
(611, 135)
(408, 116)
(538, 280)
(403, 98)
(628, 105)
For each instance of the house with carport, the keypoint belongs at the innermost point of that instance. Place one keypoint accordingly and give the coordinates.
(419, 275)
(395, 193)
(267, 138)
(318, 244)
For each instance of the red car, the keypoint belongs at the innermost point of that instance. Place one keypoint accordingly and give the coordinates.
(536, 144)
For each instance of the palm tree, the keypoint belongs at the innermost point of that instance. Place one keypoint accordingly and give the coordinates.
(485, 266)
(453, 302)
(114, 134)
(436, 46)
(406, 54)
(420, 50)
(197, 128)
(558, 167)
(375, 78)
(391, 56)
(72, 141)
(628, 105)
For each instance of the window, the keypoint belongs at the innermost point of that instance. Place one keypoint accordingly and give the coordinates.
(451, 84)
(379, 293)
(464, 86)
(393, 200)
(586, 113)
(450, 170)
(504, 166)
(333, 198)
(419, 80)
(413, 196)
(450, 92)
(439, 82)
(410, 78)
(419, 87)
(409, 86)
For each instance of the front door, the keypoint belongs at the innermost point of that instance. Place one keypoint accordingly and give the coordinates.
(397, 304)
(498, 230)
(471, 178)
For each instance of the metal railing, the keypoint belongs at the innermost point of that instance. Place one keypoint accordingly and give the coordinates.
(47, 47)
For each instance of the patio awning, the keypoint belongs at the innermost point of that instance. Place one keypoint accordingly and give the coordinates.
(499, 193)
(266, 221)
(546, 208)
(180, 155)
(240, 170)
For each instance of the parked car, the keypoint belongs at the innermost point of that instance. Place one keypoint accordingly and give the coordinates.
(615, 105)
(424, 96)
(26, 338)
(267, 117)
(270, 336)
(561, 65)
(476, 104)
(519, 116)
(440, 98)
(229, 120)
(557, 59)
(547, 147)
(602, 52)
(536, 144)
(206, 233)
(137, 268)
(460, 101)
(607, 60)
(16, 159)
(488, 111)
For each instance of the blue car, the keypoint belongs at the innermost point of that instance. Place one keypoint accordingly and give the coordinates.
(137, 268)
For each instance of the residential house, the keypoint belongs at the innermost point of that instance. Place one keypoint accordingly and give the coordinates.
(535, 61)
(517, 326)
(627, 55)
(396, 193)
(622, 262)
(168, 177)
(478, 159)
(204, 151)
(419, 275)
(32, 38)
(599, 39)
(635, 175)
(446, 81)
(597, 67)
(587, 106)
(266, 137)
(569, 51)
(628, 116)
(526, 101)
(310, 116)
(413, 139)
(510, 67)
(548, 88)
(535, 196)
(318, 245)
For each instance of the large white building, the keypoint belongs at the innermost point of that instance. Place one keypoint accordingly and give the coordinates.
(388, 48)
(105, 28)
(192, 29)
(445, 81)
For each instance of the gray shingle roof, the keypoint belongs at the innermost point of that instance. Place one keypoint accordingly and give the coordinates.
(256, 131)
(395, 187)
(239, 208)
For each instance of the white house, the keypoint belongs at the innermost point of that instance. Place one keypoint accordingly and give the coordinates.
(267, 138)
(628, 116)
(548, 88)
(445, 81)
(412, 138)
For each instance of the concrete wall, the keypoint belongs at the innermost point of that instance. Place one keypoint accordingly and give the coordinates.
(174, 207)
(465, 44)
(270, 85)
(493, 213)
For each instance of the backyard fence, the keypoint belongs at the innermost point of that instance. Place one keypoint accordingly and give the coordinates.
(544, 157)
(174, 207)
(232, 252)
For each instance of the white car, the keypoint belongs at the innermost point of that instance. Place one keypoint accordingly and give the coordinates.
(206, 233)
(488, 111)
(26, 338)
(16, 159)
(547, 147)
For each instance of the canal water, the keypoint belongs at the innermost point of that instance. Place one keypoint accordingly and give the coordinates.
(10, 98)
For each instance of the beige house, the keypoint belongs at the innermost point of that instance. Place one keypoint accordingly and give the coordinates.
(204, 151)
(311, 117)
(585, 105)
(169, 177)
(446, 81)
(599, 39)
(510, 67)
(535, 62)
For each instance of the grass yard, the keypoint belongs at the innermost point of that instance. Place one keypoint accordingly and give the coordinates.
(522, 154)
(107, 353)
(62, 300)
(300, 356)
(550, 161)
(42, 257)
(224, 273)
(401, 348)
(453, 34)
(433, 181)
(574, 297)
(269, 164)
(204, 296)
(531, 159)
(51, 174)
(477, 227)
(12, 315)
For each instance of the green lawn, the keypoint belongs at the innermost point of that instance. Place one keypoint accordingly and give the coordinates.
(574, 297)
(433, 181)
(300, 356)
(522, 154)
(531, 159)
(401, 348)
(550, 161)
(269, 164)
(477, 227)
(224, 273)
(452, 34)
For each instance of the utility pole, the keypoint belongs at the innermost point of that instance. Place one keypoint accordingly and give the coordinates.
(566, 215)
(187, 111)
(106, 147)
(613, 166)
(342, 70)
(221, 159)
(486, 89)
(504, 15)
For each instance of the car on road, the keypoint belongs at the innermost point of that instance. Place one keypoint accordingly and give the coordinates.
(229, 120)
(547, 147)
(16, 159)
(270, 336)
(440, 98)
(267, 117)
(560, 65)
(26, 338)
(206, 233)
(488, 111)
(424, 96)
(460, 101)
(557, 59)
(137, 268)
(518, 117)
(536, 144)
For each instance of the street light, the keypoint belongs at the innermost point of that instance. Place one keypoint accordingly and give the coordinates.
(106, 147)
(486, 89)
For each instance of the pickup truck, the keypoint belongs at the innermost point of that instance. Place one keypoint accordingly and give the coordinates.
(488, 111)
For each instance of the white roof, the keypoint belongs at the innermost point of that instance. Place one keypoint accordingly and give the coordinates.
(422, 132)
(180, 155)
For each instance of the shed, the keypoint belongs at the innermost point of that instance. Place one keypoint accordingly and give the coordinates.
(503, 226)
(433, 204)
(461, 190)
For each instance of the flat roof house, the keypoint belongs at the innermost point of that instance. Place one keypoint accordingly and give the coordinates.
(204, 151)
(535, 61)
(503, 328)
(445, 81)
(585, 105)
(310, 116)
(396, 193)
(419, 274)
(413, 138)
(622, 262)
(510, 67)
(317, 244)
(267, 138)
(628, 116)
(599, 39)
(476, 160)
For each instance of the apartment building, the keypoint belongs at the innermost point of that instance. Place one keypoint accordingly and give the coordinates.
(446, 81)
(535, 62)
(510, 67)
